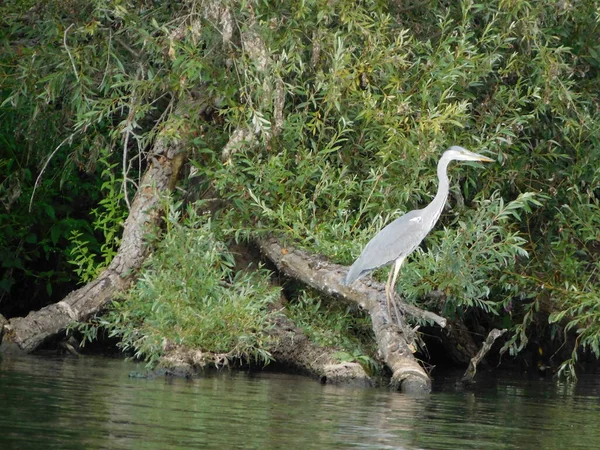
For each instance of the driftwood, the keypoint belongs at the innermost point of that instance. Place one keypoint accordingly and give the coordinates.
(25, 334)
(395, 345)
(485, 348)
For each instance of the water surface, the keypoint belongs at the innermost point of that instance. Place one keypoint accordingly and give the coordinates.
(93, 403)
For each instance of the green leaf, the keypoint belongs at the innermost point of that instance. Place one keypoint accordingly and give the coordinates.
(55, 233)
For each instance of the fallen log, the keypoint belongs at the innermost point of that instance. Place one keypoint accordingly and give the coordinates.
(395, 344)
(290, 348)
(293, 348)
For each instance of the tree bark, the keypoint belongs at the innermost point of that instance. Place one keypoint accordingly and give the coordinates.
(293, 348)
(394, 344)
(25, 334)
(458, 341)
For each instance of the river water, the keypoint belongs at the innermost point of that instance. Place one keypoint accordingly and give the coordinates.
(93, 403)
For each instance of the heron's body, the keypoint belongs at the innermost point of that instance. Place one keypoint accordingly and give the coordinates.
(402, 236)
(374, 256)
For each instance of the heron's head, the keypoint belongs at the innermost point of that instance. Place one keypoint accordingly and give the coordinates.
(462, 154)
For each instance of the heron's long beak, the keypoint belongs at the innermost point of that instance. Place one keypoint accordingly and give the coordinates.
(478, 157)
(485, 159)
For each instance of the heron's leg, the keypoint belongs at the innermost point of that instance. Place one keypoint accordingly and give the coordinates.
(390, 289)
(388, 297)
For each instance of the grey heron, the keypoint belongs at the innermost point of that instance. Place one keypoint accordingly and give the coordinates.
(402, 236)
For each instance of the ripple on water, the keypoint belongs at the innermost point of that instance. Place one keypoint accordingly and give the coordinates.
(89, 402)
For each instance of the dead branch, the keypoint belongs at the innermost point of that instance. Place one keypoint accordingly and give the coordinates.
(487, 345)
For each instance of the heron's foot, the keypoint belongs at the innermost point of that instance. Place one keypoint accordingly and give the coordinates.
(394, 317)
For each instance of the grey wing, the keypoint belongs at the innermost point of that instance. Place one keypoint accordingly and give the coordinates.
(398, 238)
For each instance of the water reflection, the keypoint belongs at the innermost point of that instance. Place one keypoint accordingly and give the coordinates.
(93, 403)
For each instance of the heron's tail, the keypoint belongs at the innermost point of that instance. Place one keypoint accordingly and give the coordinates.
(354, 273)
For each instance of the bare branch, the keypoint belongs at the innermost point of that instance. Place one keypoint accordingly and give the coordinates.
(69, 52)
(278, 106)
(39, 177)
(485, 348)
(125, 144)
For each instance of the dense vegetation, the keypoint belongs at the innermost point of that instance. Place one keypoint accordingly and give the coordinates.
(347, 106)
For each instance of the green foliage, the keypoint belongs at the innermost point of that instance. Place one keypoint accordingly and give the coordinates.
(474, 256)
(108, 220)
(50, 181)
(372, 93)
(188, 294)
(33, 239)
(582, 315)
(337, 326)
(372, 101)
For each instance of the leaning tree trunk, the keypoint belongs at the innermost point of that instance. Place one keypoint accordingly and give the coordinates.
(395, 344)
(25, 334)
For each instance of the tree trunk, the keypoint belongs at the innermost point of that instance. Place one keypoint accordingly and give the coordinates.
(394, 344)
(293, 348)
(25, 334)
